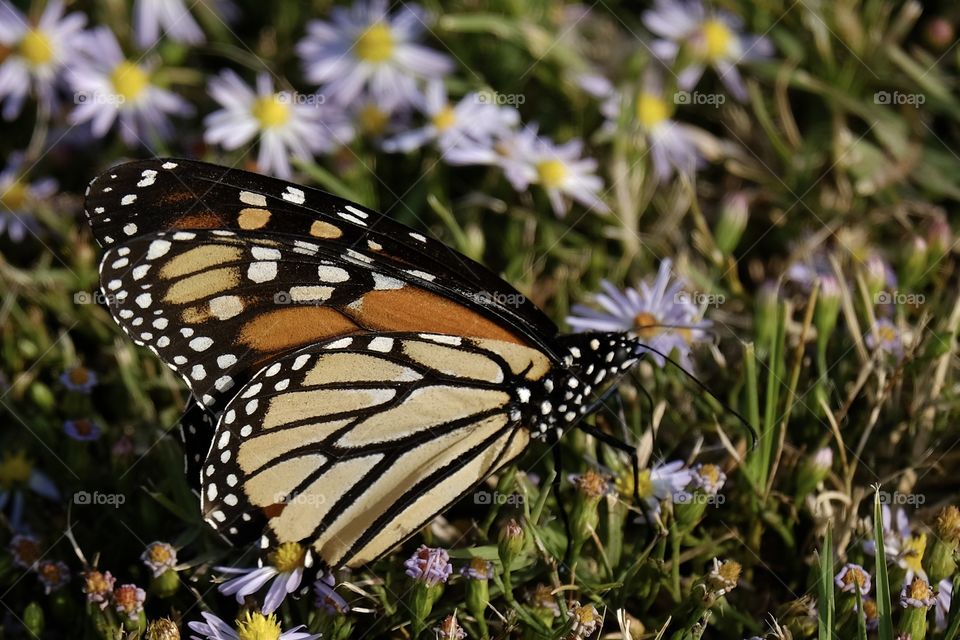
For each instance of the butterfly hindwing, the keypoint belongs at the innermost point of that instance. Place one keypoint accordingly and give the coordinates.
(354, 444)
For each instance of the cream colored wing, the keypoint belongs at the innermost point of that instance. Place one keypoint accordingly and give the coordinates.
(353, 445)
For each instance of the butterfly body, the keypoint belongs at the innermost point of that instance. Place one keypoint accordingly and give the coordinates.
(352, 377)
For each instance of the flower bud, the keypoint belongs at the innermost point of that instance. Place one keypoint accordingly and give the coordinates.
(828, 307)
(939, 33)
(915, 262)
(916, 598)
(591, 487)
(939, 238)
(941, 562)
(734, 215)
(477, 575)
(162, 629)
(813, 470)
(33, 620)
(510, 543)
(766, 311)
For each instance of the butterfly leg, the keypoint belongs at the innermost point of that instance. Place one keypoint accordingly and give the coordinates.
(553, 441)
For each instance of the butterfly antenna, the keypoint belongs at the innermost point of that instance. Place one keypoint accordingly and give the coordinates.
(754, 434)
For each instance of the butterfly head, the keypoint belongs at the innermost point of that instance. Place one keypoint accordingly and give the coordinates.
(592, 361)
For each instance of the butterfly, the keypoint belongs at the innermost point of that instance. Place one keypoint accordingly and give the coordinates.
(351, 377)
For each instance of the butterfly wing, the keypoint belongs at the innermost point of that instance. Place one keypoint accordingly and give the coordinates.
(143, 197)
(352, 445)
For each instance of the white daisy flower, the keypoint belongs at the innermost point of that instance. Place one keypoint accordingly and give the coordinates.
(285, 571)
(664, 481)
(250, 625)
(527, 159)
(110, 88)
(153, 17)
(365, 47)
(701, 39)
(18, 199)
(286, 125)
(472, 121)
(36, 53)
(671, 143)
(661, 314)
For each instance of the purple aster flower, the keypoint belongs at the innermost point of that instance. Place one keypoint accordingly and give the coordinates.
(82, 430)
(53, 575)
(285, 569)
(429, 565)
(159, 557)
(79, 379)
(329, 600)
(478, 569)
(853, 576)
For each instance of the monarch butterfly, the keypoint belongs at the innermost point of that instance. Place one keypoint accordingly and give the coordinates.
(352, 377)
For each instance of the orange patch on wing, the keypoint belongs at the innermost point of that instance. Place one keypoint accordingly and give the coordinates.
(413, 309)
(321, 229)
(294, 326)
(208, 220)
(251, 218)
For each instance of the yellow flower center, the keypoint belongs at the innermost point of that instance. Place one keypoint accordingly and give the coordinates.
(256, 626)
(645, 488)
(717, 40)
(270, 111)
(586, 614)
(27, 551)
(96, 582)
(372, 119)
(919, 589)
(652, 110)
(288, 556)
(127, 598)
(375, 44)
(50, 572)
(160, 553)
(552, 173)
(129, 80)
(887, 333)
(79, 375)
(444, 119)
(646, 325)
(711, 472)
(913, 550)
(15, 196)
(855, 576)
(15, 469)
(36, 47)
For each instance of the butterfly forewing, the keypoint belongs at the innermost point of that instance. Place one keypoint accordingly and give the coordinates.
(139, 198)
(356, 443)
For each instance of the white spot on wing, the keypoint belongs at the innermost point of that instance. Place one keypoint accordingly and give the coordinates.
(262, 271)
(253, 199)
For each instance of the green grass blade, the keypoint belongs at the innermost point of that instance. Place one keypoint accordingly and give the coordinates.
(825, 604)
(881, 580)
(861, 619)
(953, 618)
